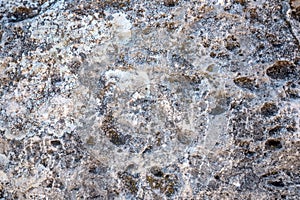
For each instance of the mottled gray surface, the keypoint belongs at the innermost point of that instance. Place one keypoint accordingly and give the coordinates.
(161, 99)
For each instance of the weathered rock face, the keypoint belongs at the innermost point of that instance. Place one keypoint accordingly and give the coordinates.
(168, 99)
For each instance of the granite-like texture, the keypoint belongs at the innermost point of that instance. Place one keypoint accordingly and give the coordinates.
(137, 99)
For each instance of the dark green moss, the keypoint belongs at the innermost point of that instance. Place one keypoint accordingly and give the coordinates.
(129, 182)
(166, 184)
(111, 132)
(116, 138)
(245, 82)
(154, 182)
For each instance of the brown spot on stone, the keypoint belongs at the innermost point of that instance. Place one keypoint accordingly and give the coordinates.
(170, 3)
(74, 66)
(295, 5)
(282, 70)
(245, 82)
(242, 2)
(90, 140)
(185, 136)
(231, 43)
(22, 13)
(269, 109)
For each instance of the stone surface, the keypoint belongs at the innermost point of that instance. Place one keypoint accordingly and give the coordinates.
(162, 99)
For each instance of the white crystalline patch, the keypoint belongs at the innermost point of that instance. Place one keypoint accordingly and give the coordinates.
(122, 27)
(130, 81)
(3, 176)
(120, 22)
(60, 101)
(221, 2)
(58, 108)
(13, 108)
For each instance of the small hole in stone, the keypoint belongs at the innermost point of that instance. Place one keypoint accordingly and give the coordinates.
(55, 143)
(277, 183)
(156, 171)
(273, 144)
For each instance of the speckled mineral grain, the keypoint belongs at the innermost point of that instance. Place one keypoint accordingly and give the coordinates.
(160, 99)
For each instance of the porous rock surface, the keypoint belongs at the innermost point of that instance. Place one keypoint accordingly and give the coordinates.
(160, 99)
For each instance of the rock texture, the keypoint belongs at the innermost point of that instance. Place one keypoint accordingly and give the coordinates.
(162, 99)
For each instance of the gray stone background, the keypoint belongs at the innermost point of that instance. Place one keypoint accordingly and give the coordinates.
(161, 99)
